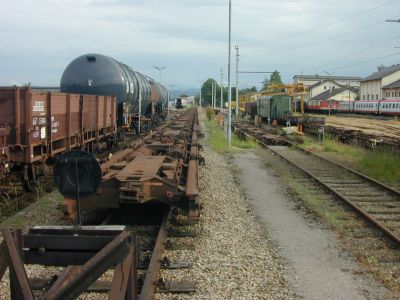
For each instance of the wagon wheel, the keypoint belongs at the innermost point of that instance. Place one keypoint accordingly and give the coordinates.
(29, 178)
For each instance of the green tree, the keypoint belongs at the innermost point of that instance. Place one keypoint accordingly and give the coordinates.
(253, 89)
(381, 67)
(206, 91)
(275, 78)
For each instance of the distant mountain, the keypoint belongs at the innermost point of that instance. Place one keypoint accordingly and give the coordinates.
(188, 91)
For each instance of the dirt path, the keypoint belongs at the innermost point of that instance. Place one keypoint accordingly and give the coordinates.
(390, 128)
(320, 268)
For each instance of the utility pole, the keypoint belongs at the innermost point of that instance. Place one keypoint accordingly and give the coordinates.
(200, 96)
(237, 81)
(215, 94)
(212, 93)
(201, 85)
(159, 68)
(222, 91)
(229, 78)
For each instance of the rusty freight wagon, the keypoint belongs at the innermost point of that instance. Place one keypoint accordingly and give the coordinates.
(44, 124)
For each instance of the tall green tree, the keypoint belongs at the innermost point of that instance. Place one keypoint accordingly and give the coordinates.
(206, 91)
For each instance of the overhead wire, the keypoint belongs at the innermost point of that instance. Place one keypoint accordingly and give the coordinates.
(352, 54)
(317, 42)
(362, 62)
(320, 26)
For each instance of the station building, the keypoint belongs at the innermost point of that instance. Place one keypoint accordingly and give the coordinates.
(384, 84)
(342, 88)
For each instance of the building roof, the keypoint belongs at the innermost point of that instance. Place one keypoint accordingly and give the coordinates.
(314, 85)
(322, 82)
(393, 85)
(323, 77)
(325, 95)
(380, 74)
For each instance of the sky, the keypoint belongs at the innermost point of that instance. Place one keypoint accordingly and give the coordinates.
(39, 38)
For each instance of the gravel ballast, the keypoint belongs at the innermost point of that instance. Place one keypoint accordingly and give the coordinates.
(234, 257)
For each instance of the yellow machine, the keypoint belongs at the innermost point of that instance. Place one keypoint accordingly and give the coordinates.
(295, 90)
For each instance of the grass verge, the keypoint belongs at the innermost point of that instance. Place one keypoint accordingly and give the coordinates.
(379, 164)
(219, 142)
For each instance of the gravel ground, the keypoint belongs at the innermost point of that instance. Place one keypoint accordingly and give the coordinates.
(234, 258)
(322, 269)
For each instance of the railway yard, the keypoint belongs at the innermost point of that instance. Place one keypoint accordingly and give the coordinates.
(265, 221)
(175, 150)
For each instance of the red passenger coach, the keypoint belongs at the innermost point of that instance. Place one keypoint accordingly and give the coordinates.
(323, 106)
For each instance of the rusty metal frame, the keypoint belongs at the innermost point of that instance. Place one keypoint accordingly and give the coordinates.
(119, 252)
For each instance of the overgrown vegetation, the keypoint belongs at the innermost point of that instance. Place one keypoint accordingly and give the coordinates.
(313, 200)
(379, 164)
(219, 142)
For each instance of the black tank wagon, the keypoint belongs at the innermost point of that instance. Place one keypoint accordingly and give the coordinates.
(97, 74)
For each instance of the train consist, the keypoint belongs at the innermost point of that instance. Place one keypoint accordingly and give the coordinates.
(35, 126)
(377, 107)
(280, 108)
(137, 95)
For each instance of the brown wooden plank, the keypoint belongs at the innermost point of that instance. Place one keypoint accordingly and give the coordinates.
(56, 258)
(66, 242)
(121, 277)
(17, 270)
(110, 255)
(3, 258)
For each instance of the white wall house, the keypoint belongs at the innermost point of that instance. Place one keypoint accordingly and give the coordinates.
(321, 87)
(374, 87)
(392, 91)
(340, 94)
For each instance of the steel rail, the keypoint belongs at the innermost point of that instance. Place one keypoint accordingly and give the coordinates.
(152, 273)
(389, 233)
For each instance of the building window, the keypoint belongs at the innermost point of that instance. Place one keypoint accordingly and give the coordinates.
(368, 97)
(324, 88)
(377, 97)
(363, 97)
(372, 97)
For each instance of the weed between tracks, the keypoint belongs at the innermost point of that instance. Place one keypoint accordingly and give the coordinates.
(378, 164)
(43, 212)
(219, 142)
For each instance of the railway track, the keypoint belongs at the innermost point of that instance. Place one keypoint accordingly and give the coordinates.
(123, 255)
(376, 202)
(152, 231)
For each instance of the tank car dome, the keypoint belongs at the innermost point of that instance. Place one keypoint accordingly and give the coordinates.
(94, 74)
